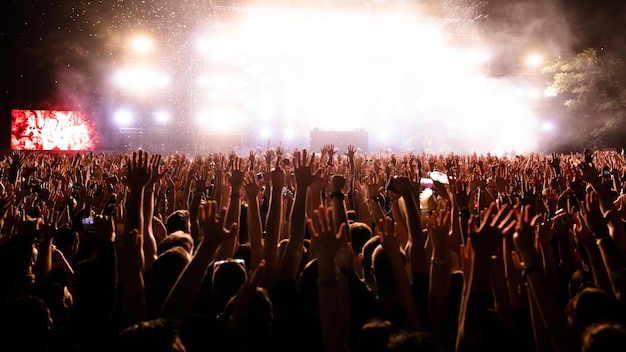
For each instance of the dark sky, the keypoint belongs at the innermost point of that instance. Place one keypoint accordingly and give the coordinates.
(53, 50)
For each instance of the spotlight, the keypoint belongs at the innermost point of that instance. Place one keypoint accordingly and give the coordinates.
(534, 61)
(547, 126)
(161, 116)
(123, 117)
(142, 44)
(550, 92)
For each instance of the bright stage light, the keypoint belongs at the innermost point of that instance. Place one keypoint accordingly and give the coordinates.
(550, 92)
(140, 79)
(265, 133)
(345, 70)
(534, 60)
(547, 126)
(161, 116)
(142, 44)
(123, 117)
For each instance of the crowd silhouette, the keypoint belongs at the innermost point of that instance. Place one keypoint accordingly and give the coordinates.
(332, 250)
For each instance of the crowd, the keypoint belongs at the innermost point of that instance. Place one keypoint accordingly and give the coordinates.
(301, 251)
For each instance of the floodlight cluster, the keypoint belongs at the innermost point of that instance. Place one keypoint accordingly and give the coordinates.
(280, 73)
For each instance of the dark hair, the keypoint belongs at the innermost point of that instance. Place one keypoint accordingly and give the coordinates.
(360, 233)
(177, 221)
(162, 276)
(157, 335)
(382, 268)
(26, 323)
(374, 335)
(405, 341)
(604, 338)
(227, 279)
(65, 238)
(368, 251)
(176, 239)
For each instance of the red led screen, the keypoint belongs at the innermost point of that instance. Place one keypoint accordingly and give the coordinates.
(51, 130)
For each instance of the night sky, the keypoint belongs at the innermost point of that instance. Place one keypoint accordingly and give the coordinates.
(55, 51)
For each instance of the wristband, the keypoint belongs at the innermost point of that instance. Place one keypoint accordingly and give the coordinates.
(600, 239)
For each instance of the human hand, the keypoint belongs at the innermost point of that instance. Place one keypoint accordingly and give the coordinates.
(252, 186)
(582, 231)
(351, 152)
(213, 224)
(138, 174)
(154, 166)
(591, 214)
(487, 237)
(438, 225)
(525, 239)
(303, 172)
(236, 174)
(322, 228)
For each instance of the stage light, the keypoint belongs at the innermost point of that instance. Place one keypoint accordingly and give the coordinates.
(547, 126)
(533, 93)
(265, 133)
(534, 60)
(140, 79)
(123, 117)
(550, 92)
(203, 81)
(142, 44)
(289, 133)
(161, 116)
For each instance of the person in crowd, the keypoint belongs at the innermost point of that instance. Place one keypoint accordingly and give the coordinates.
(312, 251)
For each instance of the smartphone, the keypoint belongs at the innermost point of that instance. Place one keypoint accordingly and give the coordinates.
(426, 182)
(239, 261)
(88, 224)
(438, 176)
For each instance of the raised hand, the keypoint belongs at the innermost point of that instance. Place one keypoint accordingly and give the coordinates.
(236, 174)
(488, 236)
(525, 239)
(213, 225)
(592, 215)
(322, 228)
(138, 174)
(303, 170)
(252, 186)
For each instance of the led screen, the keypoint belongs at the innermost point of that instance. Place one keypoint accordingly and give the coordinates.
(51, 130)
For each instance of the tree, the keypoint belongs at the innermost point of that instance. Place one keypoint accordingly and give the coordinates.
(591, 88)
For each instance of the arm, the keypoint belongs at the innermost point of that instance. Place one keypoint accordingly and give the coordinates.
(484, 241)
(417, 253)
(335, 326)
(537, 284)
(130, 270)
(182, 296)
(138, 175)
(149, 242)
(290, 262)
(440, 268)
(228, 248)
(252, 189)
(274, 222)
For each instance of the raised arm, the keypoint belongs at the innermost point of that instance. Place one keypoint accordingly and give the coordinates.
(252, 191)
(138, 175)
(304, 175)
(182, 296)
(335, 327)
(274, 222)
